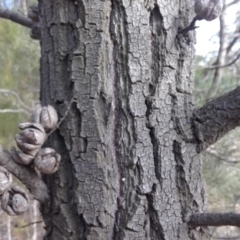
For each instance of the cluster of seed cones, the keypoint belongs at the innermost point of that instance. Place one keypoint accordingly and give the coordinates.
(14, 199)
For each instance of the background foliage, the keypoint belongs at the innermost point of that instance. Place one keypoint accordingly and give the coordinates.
(19, 92)
(221, 162)
(19, 68)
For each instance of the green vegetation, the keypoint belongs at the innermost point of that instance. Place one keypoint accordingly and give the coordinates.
(19, 68)
(221, 162)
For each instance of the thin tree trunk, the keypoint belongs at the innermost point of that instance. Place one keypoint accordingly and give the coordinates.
(9, 228)
(24, 7)
(129, 168)
(9, 221)
(221, 59)
(34, 219)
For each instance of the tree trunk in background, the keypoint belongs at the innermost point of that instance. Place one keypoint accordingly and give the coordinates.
(34, 220)
(9, 228)
(128, 170)
(24, 7)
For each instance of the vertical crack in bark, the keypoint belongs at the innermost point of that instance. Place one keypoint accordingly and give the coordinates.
(188, 204)
(174, 117)
(158, 39)
(80, 11)
(156, 230)
(63, 207)
(155, 143)
(117, 101)
(123, 135)
(57, 85)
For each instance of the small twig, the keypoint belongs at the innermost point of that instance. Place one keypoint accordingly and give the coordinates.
(62, 119)
(191, 26)
(29, 224)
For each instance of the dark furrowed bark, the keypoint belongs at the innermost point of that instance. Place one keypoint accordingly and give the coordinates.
(217, 118)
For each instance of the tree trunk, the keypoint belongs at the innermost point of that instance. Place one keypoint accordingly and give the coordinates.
(123, 78)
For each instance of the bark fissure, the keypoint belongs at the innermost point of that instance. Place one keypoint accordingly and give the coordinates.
(183, 187)
(117, 135)
(122, 119)
(156, 230)
(64, 209)
(158, 39)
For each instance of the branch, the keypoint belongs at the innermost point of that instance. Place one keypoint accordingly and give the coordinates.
(214, 219)
(29, 224)
(216, 118)
(191, 26)
(221, 56)
(227, 238)
(16, 17)
(32, 21)
(236, 36)
(26, 175)
(14, 111)
(220, 158)
(232, 3)
(225, 65)
(15, 94)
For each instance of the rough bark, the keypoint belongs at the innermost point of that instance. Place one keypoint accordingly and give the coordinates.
(216, 118)
(128, 168)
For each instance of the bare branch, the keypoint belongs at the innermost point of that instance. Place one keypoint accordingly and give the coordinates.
(8, 91)
(14, 111)
(236, 36)
(32, 21)
(191, 26)
(16, 17)
(216, 118)
(227, 238)
(225, 65)
(215, 219)
(26, 175)
(220, 158)
(232, 3)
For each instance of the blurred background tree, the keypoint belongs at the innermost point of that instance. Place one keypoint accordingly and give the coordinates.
(19, 93)
(19, 85)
